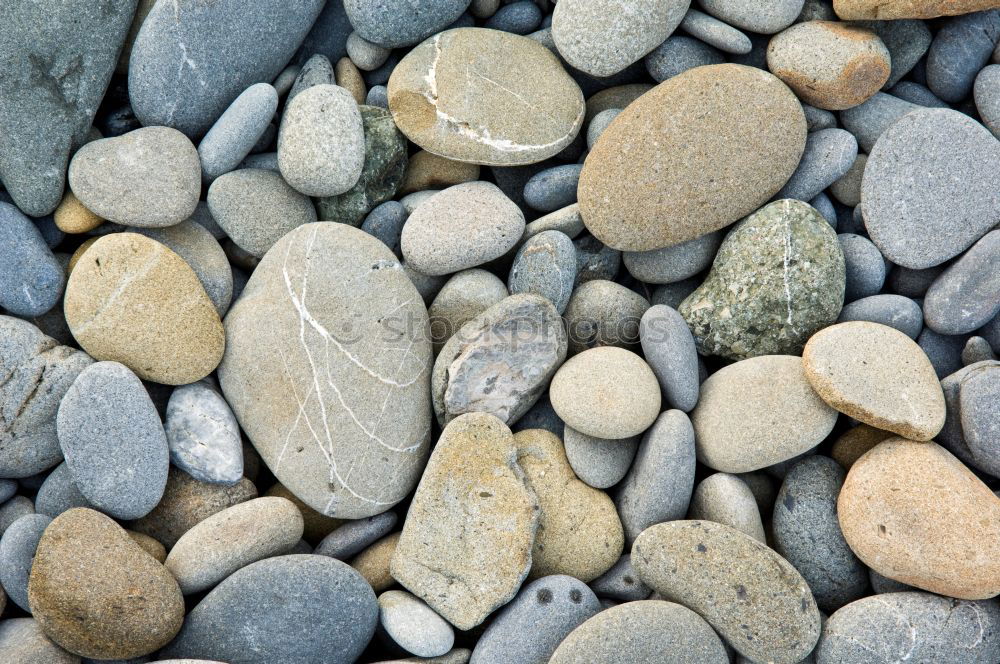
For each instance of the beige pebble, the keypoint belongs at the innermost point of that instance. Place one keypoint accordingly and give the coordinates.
(72, 217)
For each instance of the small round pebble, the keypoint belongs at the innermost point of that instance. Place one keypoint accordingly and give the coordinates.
(674, 263)
(520, 18)
(553, 188)
(604, 313)
(237, 130)
(402, 22)
(847, 188)
(829, 154)
(357, 535)
(868, 121)
(715, 33)
(427, 170)
(896, 311)
(987, 96)
(364, 54)
(621, 583)
(59, 493)
(864, 267)
(23, 641)
(17, 549)
(763, 19)
(966, 296)
(545, 265)
(599, 462)
(959, 50)
(386, 223)
(599, 123)
(670, 350)
(726, 499)
(31, 279)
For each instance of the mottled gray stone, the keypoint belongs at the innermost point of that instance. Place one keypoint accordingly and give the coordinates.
(386, 223)
(915, 164)
(113, 441)
(674, 263)
(466, 294)
(59, 493)
(864, 267)
(553, 188)
(355, 536)
(604, 313)
(673, 294)
(979, 402)
(825, 207)
(400, 23)
(269, 603)
(191, 60)
(365, 55)
(959, 50)
(541, 416)
(14, 509)
(715, 33)
(545, 265)
(778, 277)
(829, 155)
(237, 130)
(882, 584)
(378, 95)
(967, 294)
(913, 283)
(659, 485)
(595, 260)
(58, 59)
(31, 278)
(748, 15)
(531, 627)
(951, 435)
(7, 489)
(620, 583)
(726, 499)
(895, 311)
(17, 549)
(869, 120)
(203, 435)
(35, 373)
(596, 127)
(22, 641)
(328, 35)
(671, 353)
(412, 625)
(599, 462)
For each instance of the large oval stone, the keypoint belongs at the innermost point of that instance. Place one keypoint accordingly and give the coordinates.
(327, 368)
(694, 154)
(486, 97)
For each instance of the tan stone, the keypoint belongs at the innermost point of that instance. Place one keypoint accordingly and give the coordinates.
(427, 170)
(135, 301)
(877, 375)
(97, 593)
(72, 217)
(697, 153)
(317, 526)
(883, 10)
(348, 76)
(75, 258)
(373, 563)
(579, 532)
(149, 545)
(854, 442)
(913, 513)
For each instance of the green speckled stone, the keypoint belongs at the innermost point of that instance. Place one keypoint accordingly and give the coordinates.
(382, 176)
(778, 278)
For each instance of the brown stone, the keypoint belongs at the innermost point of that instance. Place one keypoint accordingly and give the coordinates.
(348, 76)
(149, 545)
(72, 217)
(855, 442)
(75, 258)
(883, 10)
(373, 563)
(427, 170)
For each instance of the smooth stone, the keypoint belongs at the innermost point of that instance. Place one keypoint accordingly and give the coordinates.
(545, 265)
(373, 563)
(604, 313)
(818, 119)
(966, 295)
(100, 614)
(427, 170)
(986, 92)
(715, 33)
(364, 54)
(31, 278)
(671, 353)
(467, 562)
(601, 37)
(124, 300)
(847, 188)
(951, 436)
(617, 96)
(829, 155)
(849, 10)
(877, 375)
(521, 18)
(864, 267)
(463, 226)
(748, 593)
(427, 286)
(190, 62)
(895, 311)
(465, 296)
(349, 77)
(767, 19)
(979, 400)
(17, 550)
(597, 126)
(501, 361)
(825, 207)
(658, 487)
(630, 182)
(913, 283)
(882, 585)
(413, 626)
(23, 641)
(59, 493)
(807, 533)
(912, 512)
(541, 416)
(268, 603)
(317, 70)
(917, 94)
(37, 372)
(397, 23)
(355, 536)
(237, 130)
(579, 533)
(13, 509)
(531, 627)
(381, 177)
(203, 435)
(643, 632)
(777, 278)
(961, 47)
(621, 583)
(599, 462)
(489, 120)
(58, 63)
(673, 263)
(594, 260)
(964, 151)
(917, 626)
(378, 96)
(385, 222)
(726, 499)
(991, 332)
(328, 36)
(977, 349)
(943, 351)
(8, 488)
(868, 121)
(553, 188)
(673, 294)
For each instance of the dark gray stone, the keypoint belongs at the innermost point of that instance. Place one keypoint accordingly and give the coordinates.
(599, 462)
(328, 35)
(113, 441)
(907, 41)
(7, 489)
(825, 207)
(944, 352)
(355, 536)
(545, 265)
(520, 18)
(17, 549)
(913, 283)
(959, 50)
(895, 311)
(621, 583)
(987, 96)
(397, 23)
(991, 332)
(59, 493)
(604, 313)
(818, 118)
(541, 416)
(386, 223)
(882, 584)
(675, 263)
(203, 435)
(553, 188)
(966, 295)
(673, 294)
(864, 267)
(237, 130)
(951, 435)
(378, 95)
(594, 260)
(979, 403)
(276, 604)
(678, 54)
(977, 349)
(829, 155)
(869, 120)
(31, 279)
(671, 353)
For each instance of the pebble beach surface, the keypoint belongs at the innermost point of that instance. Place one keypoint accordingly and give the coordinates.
(500, 332)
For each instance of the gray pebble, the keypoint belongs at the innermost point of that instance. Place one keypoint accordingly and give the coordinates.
(726, 499)
(865, 269)
(895, 311)
(829, 154)
(603, 313)
(959, 50)
(847, 189)
(944, 351)
(977, 349)
(203, 436)
(22, 641)
(14, 509)
(386, 223)
(7, 489)
(818, 118)
(967, 294)
(59, 493)
(412, 625)
(31, 279)
(598, 124)
(765, 19)
(594, 260)
(951, 435)
(378, 95)
(283, 82)
(882, 584)
(355, 536)
(17, 549)
(620, 583)
(979, 402)
(715, 33)
(427, 285)
(917, 94)
(907, 41)
(566, 220)
(113, 441)
(545, 265)
(913, 283)
(317, 70)
(520, 18)
(659, 485)
(599, 462)
(869, 120)
(398, 23)
(673, 294)
(678, 54)
(987, 95)
(671, 353)
(266, 160)
(531, 627)
(675, 263)
(825, 207)
(553, 188)
(763, 489)
(380, 77)
(365, 55)
(50, 232)
(237, 130)
(991, 332)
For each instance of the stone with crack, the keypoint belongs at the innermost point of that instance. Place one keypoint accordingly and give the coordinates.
(466, 545)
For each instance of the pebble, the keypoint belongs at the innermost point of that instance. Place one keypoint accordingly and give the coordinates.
(594, 260)
(829, 64)
(673, 263)
(944, 352)
(758, 412)
(72, 217)
(317, 70)
(501, 361)
(463, 226)
(726, 499)
(427, 170)
(919, 626)
(378, 96)
(402, 23)
(979, 397)
(553, 188)
(868, 121)
(413, 626)
(520, 18)
(977, 349)
(912, 512)
(745, 15)
(602, 38)
(13, 509)
(596, 127)
(23, 641)
(107, 307)
(599, 462)
(321, 141)
(545, 265)
(364, 54)
(31, 278)
(621, 583)
(896, 311)
(960, 49)
(748, 593)
(715, 33)
(99, 613)
(349, 78)
(874, 9)
(829, 155)
(17, 550)
(465, 295)
(951, 436)
(776, 280)
(237, 130)
(658, 487)
(637, 632)
(467, 562)
(385, 222)
(847, 188)
(327, 592)
(604, 313)
(189, 63)
(203, 435)
(8, 488)
(918, 94)
(490, 120)
(739, 116)
(59, 493)
(986, 92)
(877, 375)
(864, 267)
(825, 207)
(671, 352)
(899, 172)
(355, 536)
(966, 295)
(373, 563)
(114, 443)
(531, 627)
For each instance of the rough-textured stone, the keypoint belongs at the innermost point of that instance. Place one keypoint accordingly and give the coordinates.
(855, 442)
(604, 313)
(72, 217)
(13, 509)
(750, 133)
(59, 493)
(315, 405)
(467, 562)
(763, 19)
(979, 400)
(726, 499)
(671, 353)
(621, 583)
(960, 49)
(967, 294)
(203, 435)
(778, 277)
